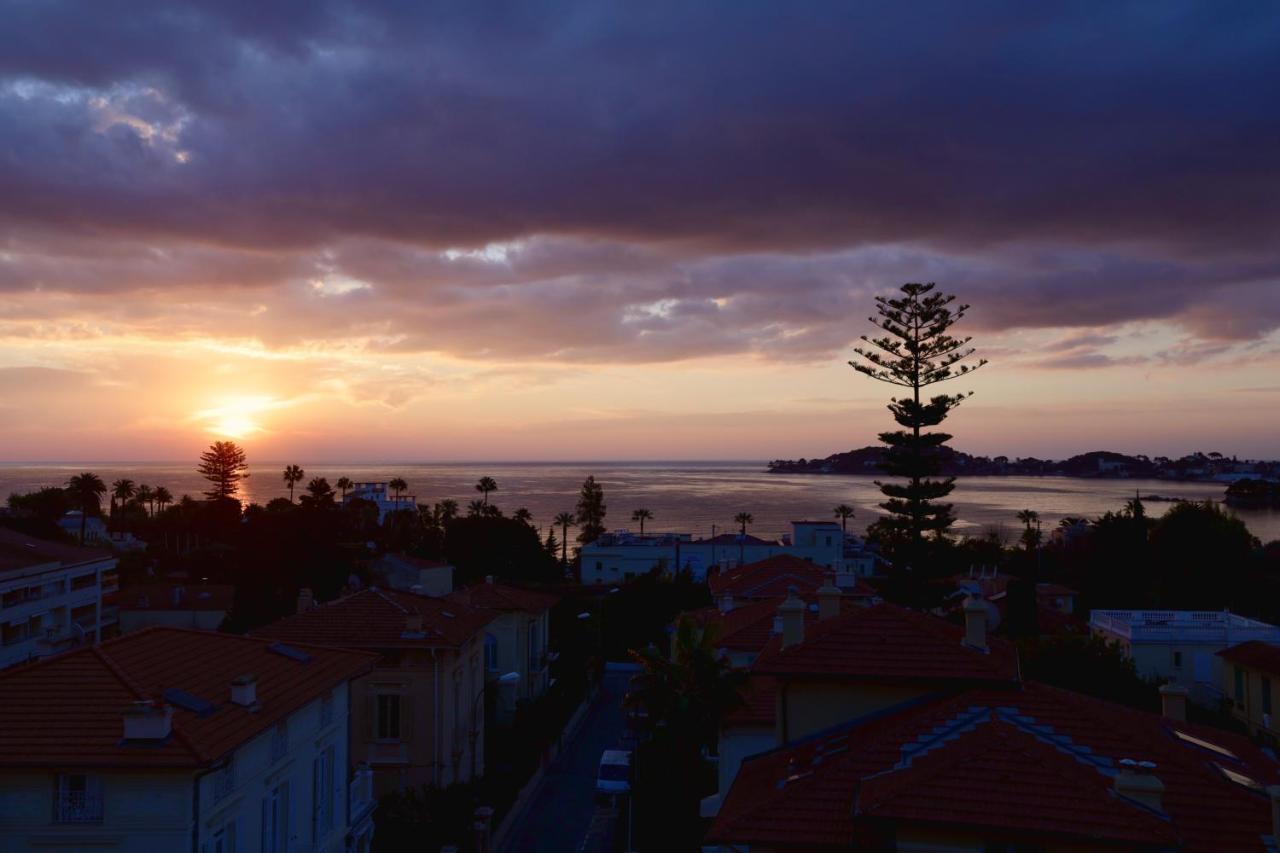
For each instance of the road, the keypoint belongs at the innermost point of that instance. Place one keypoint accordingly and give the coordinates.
(562, 816)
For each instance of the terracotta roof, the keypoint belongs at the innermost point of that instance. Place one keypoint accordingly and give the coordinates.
(68, 710)
(501, 596)
(377, 619)
(888, 642)
(1255, 654)
(160, 596)
(20, 551)
(769, 577)
(760, 704)
(1031, 763)
(749, 627)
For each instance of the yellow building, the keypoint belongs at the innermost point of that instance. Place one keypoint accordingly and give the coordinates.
(1250, 672)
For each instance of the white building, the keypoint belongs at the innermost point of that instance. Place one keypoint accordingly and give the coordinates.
(379, 495)
(1179, 645)
(170, 739)
(622, 555)
(51, 596)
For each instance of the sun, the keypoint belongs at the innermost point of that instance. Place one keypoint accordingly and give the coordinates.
(235, 417)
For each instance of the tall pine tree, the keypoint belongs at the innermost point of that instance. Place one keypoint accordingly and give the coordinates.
(915, 352)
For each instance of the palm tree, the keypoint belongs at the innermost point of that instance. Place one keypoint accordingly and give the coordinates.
(475, 509)
(1030, 538)
(447, 510)
(1028, 517)
(292, 475)
(144, 496)
(743, 519)
(86, 491)
(121, 491)
(844, 512)
(398, 485)
(523, 516)
(565, 520)
(485, 485)
(162, 496)
(642, 515)
(344, 483)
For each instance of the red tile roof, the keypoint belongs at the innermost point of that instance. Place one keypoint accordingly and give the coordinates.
(749, 627)
(769, 577)
(159, 596)
(760, 704)
(1255, 654)
(1030, 762)
(501, 596)
(68, 710)
(20, 551)
(887, 642)
(377, 619)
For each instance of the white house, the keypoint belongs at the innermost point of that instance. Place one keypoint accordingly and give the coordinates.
(622, 555)
(1180, 645)
(379, 495)
(51, 596)
(171, 739)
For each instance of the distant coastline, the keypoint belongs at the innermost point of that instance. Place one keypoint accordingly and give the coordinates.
(1098, 464)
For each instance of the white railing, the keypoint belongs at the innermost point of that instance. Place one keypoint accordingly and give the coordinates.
(77, 807)
(1185, 625)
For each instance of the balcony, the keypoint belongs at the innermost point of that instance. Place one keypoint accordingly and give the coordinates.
(1182, 626)
(77, 807)
(360, 792)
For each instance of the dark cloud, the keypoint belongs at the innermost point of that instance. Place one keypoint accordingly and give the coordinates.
(652, 181)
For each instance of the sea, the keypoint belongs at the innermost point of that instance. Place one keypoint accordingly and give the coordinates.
(695, 497)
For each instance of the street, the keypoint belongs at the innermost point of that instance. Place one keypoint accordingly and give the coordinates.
(562, 816)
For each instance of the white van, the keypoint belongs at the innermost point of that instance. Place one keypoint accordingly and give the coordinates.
(614, 776)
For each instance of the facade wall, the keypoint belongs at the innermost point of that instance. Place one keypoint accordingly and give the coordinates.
(813, 706)
(63, 603)
(204, 620)
(737, 743)
(512, 633)
(1253, 697)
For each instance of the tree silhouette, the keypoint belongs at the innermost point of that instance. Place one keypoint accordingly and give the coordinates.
(446, 510)
(565, 520)
(591, 511)
(86, 491)
(476, 509)
(485, 485)
(122, 492)
(1030, 537)
(914, 353)
(397, 485)
(844, 512)
(642, 515)
(344, 483)
(144, 496)
(523, 516)
(742, 519)
(319, 493)
(224, 466)
(292, 475)
(162, 497)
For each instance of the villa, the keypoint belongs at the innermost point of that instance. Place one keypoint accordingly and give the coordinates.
(380, 496)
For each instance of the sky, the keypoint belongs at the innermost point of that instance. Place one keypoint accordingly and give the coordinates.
(616, 230)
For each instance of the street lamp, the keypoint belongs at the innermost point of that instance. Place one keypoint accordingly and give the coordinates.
(505, 678)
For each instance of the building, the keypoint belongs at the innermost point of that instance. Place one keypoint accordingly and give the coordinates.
(774, 577)
(821, 670)
(173, 604)
(95, 529)
(170, 739)
(51, 596)
(1178, 645)
(378, 495)
(413, 574)
(1020, 767)
(418, 717)
(621, 555)
(1248, 672)
(516, 641)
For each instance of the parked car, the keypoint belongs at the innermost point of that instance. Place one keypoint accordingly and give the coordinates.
(614, 775)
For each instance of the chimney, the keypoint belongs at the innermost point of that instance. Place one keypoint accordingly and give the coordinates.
(306, 599)
(244, 691)
(1136, 782)
(145, 720)
(1173, 702)
(792, 613)
(1273, 792)
(828, 600)
(726, 603)
(975, 623)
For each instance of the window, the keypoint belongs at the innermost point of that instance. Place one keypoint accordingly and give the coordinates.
(279, 741)
(275, 820)
(1266, 695)
(490, 652)
(1239, 685)
(535, 653)
(1177, 660)
(387, 722)
(322, 795)
(224, 781)
(326, 709)
(77, 799)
